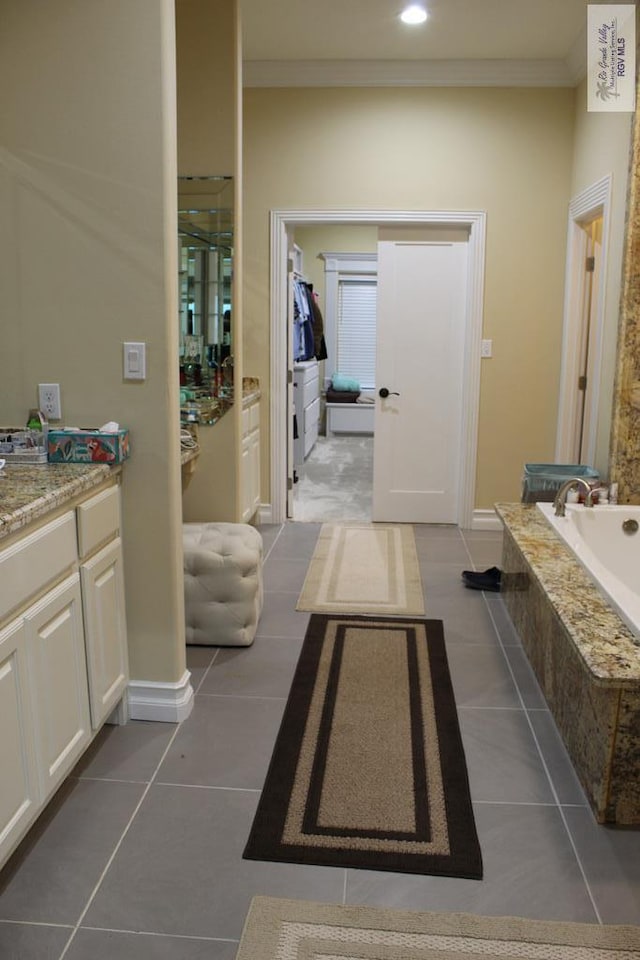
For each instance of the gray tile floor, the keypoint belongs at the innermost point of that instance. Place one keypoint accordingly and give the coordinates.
(139, 854)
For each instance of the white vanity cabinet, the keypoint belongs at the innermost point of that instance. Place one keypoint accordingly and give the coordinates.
(100, 550)
(20, 792)
(250, 459)
(58, 668)
(63, 651)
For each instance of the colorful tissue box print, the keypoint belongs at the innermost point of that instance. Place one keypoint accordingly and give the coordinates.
(88, 446)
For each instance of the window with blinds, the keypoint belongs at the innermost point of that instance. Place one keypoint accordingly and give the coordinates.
(356, 352)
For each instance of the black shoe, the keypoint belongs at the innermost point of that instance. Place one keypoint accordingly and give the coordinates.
(487, 580)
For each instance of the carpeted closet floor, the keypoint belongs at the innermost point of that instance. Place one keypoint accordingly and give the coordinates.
(336, 481)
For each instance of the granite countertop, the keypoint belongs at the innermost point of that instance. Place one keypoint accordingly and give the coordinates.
(250, 390)
(187, 454)
(606, 644)
(28, 492)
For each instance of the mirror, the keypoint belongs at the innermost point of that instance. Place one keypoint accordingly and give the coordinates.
(205, 237)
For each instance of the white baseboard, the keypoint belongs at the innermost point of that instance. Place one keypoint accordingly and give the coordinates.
(265, 513)
(486, 520)
(482, 519)
(168, 702)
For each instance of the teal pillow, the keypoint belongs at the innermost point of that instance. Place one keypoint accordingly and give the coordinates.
(341, 382)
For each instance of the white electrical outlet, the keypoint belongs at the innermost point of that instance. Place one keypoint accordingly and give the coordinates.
(486, 348)
(49, 400)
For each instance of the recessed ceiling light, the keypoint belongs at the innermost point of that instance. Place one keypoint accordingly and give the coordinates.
(413, 14)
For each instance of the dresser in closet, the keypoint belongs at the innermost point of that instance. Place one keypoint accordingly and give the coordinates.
(306, 404)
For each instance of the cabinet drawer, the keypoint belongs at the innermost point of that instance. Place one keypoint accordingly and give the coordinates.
(312, 416)
(310, 391)
(37, 561)
(98, 520)
(305, 370)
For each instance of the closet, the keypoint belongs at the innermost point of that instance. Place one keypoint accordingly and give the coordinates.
(308, 348)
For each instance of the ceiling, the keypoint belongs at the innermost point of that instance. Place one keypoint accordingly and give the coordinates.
(542, 41)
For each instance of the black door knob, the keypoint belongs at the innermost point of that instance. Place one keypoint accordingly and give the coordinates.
(384, 393)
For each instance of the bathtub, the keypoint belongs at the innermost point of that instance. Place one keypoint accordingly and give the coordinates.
(610, 556)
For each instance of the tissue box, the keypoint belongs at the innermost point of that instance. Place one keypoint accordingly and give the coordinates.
(88, 446)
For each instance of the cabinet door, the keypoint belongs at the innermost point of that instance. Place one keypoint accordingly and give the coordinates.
(19, 794)
(250, 475)
(246, 480)
(55, 639)
(254, 457)
(105, 630)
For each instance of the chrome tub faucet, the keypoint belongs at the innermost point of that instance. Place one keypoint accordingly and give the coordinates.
(561, 496)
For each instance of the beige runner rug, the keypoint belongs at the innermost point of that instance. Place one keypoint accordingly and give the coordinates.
(368, 769)
(299, 930)
(364, 568)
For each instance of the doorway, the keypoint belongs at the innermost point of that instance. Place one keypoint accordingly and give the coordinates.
(333, 445)
(283, 222)
(587, 237)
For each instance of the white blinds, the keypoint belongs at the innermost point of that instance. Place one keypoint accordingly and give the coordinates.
(357, 329)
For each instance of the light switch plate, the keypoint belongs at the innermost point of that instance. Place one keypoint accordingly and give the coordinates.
(134, 359)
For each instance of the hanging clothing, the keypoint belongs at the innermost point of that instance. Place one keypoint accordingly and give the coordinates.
(303, 337)
(319, 345)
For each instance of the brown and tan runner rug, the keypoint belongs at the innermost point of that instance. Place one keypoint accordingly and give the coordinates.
(364, 568)
(298, 930)
(368, 768)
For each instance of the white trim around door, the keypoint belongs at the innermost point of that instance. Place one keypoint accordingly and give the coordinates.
(281, 223)
(592, 202)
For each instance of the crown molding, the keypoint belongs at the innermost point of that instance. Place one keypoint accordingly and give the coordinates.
(349, 257)
(577, 58)
(414, 73)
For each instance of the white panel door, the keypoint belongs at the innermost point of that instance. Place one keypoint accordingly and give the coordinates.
(420, 355)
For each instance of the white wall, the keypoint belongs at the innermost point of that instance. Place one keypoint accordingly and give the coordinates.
(88, 254)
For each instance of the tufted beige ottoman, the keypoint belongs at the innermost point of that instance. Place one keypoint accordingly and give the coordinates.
(222, 583)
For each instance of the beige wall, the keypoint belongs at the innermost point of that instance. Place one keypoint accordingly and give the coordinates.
(331, 239)
(208, 84)
(87, 187)
(602, 146)
(205, 49)
(505, 151)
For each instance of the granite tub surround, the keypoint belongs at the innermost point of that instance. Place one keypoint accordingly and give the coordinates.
(29, 492)
(585, 658)
(604, 641)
